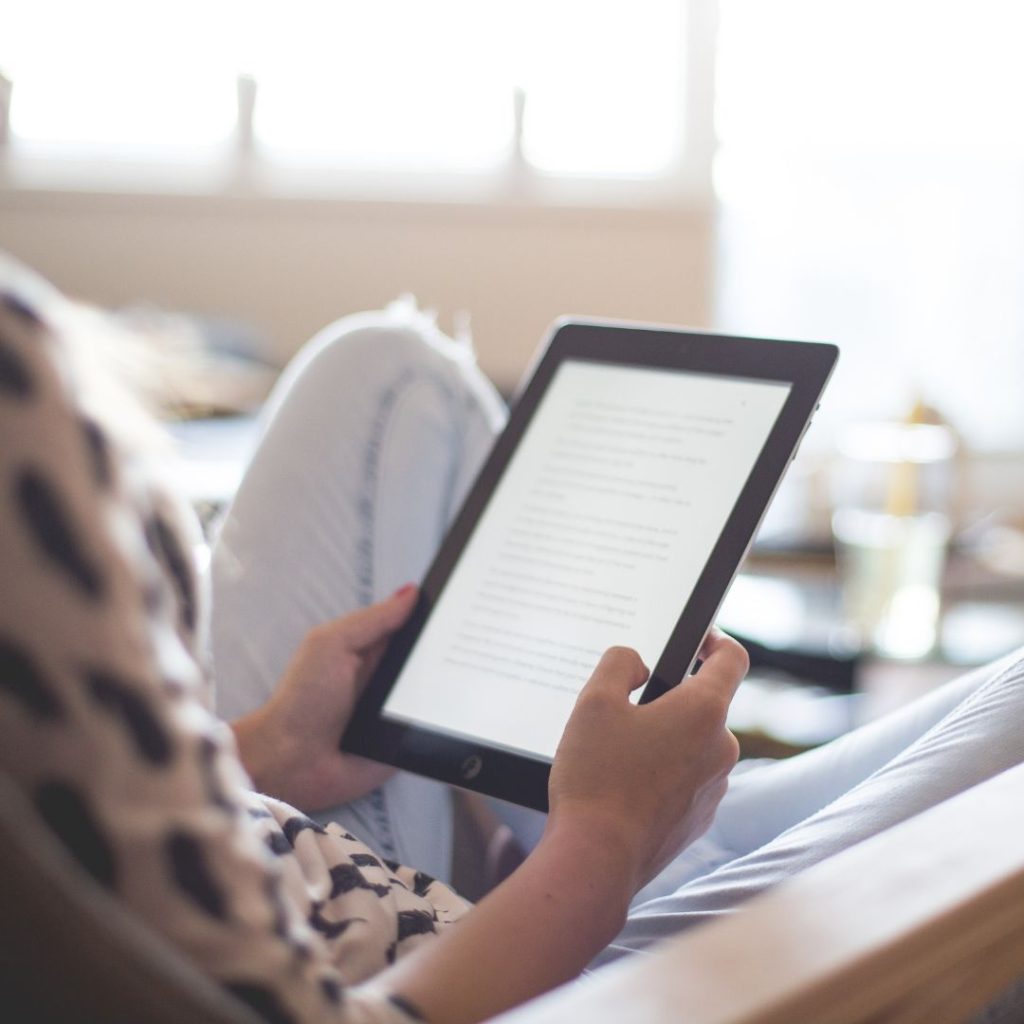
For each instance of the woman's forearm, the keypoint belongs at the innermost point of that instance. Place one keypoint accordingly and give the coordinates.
(537, 930)
(630, 786)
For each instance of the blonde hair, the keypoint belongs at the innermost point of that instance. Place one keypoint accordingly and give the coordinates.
(126, 376)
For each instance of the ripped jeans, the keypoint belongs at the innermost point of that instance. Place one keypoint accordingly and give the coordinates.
(370, 441)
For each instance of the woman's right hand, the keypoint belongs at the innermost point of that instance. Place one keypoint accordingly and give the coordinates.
(629, 787)
(647, 778)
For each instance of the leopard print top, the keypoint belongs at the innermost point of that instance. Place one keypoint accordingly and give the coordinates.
(104, 721)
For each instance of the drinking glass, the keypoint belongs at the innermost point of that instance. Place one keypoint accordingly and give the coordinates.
(891, 490)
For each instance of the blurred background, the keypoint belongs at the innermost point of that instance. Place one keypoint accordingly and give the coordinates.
(245, 171)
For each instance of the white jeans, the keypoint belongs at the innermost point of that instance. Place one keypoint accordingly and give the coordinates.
(371, 439)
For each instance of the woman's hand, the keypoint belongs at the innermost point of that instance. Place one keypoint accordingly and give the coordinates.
(647, 778)
(290, 745)
(630, 785)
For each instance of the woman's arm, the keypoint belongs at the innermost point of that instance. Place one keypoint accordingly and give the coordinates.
(537, 930)
(631, 785)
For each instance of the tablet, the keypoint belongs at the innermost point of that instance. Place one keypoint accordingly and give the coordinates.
(615, 508)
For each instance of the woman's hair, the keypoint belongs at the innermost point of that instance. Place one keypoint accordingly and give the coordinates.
(126, 372)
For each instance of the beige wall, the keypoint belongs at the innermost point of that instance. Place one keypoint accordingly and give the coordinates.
(289, 266)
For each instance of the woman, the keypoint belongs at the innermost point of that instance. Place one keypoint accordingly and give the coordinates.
(371, 438)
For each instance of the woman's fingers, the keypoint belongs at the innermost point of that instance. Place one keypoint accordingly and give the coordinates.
(362, 629)
(724, 664)
(620, 670)
(716, 640)
(656, 771)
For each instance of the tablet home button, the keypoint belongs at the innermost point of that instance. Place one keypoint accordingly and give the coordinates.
(471, 767)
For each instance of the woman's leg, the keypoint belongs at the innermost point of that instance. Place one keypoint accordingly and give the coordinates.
(767, 797)
(371, 439)
(971, 732)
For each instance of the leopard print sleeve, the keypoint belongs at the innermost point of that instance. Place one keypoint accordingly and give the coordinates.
(103, 726)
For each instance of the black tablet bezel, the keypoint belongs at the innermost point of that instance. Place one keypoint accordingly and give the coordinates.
(519, 778)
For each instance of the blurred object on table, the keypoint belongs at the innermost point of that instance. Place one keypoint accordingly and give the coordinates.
(892, 490)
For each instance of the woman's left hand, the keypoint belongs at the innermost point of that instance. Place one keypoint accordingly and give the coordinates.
(290, 745)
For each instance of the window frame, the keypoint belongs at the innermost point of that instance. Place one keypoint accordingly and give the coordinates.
(239, 168)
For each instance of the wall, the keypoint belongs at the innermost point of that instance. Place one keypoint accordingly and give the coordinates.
(289, 266)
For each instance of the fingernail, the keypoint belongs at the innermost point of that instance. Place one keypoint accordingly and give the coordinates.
(404, 591)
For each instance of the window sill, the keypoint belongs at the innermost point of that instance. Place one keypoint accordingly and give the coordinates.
(28, 180)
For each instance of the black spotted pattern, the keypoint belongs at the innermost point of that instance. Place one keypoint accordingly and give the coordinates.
(272, 888)
(164, 544)
(15, 380)
(99, 452)
(299, 823)
(330, 929)
(22, 679)
(208, 753)
(60, 534)
(421, 883)
(411, 1010)
(69, 816)
(126, 704)
(192, 875)
(278, 844)
(261, 1001)
(332, 991)
(415, 922)
(45, 517)
(366, 860)
(347, 877)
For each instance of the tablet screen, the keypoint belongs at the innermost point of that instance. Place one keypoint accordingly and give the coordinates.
(596, 535)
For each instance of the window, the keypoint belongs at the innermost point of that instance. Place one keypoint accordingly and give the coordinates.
(115, 78)
(565, 86)
(871, 181)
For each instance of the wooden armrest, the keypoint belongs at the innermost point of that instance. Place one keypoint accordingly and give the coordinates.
(924, 922)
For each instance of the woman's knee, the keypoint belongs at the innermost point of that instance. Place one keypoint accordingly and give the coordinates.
(373, 350)
(362, 368)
